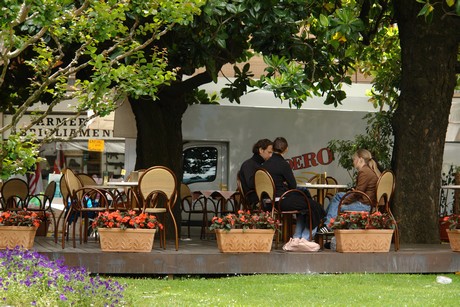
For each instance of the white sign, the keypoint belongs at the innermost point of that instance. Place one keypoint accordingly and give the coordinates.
(68, 129)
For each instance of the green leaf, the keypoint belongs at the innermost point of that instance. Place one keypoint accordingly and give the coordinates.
(323, 20)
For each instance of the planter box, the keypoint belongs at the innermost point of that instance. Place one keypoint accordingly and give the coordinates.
(443, 230)
(12, 236)
(42, 230)
(363, 240)
(245, 240)
(454, 239)
(126, 240)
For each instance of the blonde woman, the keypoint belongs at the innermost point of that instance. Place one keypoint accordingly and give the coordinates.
(366, 181)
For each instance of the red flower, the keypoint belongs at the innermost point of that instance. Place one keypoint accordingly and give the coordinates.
(20, 218)
(126, 219)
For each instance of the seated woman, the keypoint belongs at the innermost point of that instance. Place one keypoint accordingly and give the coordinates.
(366, 181)
(284, 180)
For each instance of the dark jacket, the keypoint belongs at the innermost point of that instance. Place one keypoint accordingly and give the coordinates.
(284, 180)
(247, 173)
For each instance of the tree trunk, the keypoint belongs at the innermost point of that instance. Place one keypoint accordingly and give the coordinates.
(429, 56)
(159, 131)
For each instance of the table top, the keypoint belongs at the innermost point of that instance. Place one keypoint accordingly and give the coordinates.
(122, 183)
(322, 186)
(454, 187)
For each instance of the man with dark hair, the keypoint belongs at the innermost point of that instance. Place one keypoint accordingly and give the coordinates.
(262, 151)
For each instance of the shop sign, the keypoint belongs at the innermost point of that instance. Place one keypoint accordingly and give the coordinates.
(68, 129)
(96, 145)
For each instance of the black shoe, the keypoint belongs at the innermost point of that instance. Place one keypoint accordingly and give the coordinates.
(327, 245)
(325, 230)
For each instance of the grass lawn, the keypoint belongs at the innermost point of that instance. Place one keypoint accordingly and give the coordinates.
(295, 290)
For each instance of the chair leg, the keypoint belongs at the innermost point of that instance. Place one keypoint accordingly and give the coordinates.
(286, 228)
(320, 241)
(396, 238)
(175, 230)
(54, 220)
(56, 228)
(188, 224)
(74, 230)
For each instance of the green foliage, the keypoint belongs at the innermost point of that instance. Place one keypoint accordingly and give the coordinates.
(201, 97)
(19, 154)
(30, 279)
(378, 140)
(239, 87)
(107, 46)
(384, 68)
(91, 51)
(450, 7)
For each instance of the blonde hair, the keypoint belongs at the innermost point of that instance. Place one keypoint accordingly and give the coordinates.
(367, 157)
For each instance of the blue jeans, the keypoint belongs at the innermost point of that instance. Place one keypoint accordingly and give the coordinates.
(302, 227)
(334, 206)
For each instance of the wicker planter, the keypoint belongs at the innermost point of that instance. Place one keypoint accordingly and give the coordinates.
(363, 240)
(454, 239)
(245, 240)
(126, 240)
(12, 236)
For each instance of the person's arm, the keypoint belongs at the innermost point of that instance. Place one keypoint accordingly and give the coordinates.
(289, 176)
(361, 185)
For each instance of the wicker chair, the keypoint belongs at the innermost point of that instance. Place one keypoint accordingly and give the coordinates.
(14, 194)
(158, 191)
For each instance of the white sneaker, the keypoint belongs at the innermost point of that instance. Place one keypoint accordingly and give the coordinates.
(307, 246)
(295, 245)
(287, 246)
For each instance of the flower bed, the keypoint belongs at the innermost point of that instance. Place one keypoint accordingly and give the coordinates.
(51, 283)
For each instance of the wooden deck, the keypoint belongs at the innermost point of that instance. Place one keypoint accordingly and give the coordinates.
(201, 257)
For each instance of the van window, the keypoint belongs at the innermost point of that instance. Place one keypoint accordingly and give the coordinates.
(200, 164)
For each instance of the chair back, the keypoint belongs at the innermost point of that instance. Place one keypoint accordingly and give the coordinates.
(185, 191)
(64, 189)
(385, 188)
(158, 179)
(186, 197)
(87, 180)
(14, 193)
(49, 194)
(241, 196)
(73, 183)
(265, 187)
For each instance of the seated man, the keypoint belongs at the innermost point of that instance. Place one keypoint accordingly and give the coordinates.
(262, 151)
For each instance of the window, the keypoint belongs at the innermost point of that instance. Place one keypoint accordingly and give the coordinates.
(200, 164)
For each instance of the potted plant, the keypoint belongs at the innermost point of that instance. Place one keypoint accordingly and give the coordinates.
(18, 228)
(126, 231)
(45, 221)
(453, 222)
(363, 232)
(245, 231)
